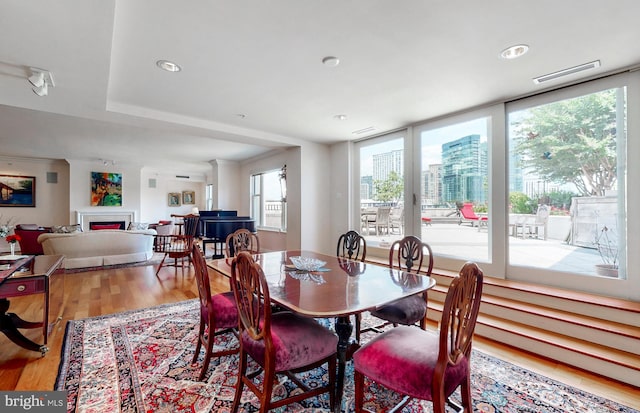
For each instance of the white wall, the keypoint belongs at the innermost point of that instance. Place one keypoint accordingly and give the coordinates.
(228, 187)
(316, 199)
(154, 205)
(80, 187)
(341, 192)
(52, 200)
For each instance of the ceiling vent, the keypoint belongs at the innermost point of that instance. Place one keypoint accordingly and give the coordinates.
(365, 130)
(566, 72)
(182, 176)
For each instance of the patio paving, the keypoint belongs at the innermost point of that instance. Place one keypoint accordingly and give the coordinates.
(466, 241)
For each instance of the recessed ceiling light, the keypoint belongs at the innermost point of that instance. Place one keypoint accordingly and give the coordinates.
(514, 52)
(168, 66)
(340, 117)
(331, 61)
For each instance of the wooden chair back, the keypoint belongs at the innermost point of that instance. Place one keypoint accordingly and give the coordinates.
(411, 254)
(352, 245)
(202, 279)
(252, 298)
(241, 240)
(459, 316)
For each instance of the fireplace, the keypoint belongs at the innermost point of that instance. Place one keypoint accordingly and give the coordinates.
(98, 225)
(85, 218)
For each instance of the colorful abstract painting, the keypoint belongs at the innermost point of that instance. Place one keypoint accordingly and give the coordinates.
(106, 189)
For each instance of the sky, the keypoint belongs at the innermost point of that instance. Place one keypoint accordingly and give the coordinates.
(431, 142)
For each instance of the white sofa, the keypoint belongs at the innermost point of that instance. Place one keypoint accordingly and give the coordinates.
(99, 248)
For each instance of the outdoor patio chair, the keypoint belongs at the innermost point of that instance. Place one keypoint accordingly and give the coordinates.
(531, 226)
(382, 220)
(396, 220)
(467, 214)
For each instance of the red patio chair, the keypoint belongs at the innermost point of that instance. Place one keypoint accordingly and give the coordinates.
(467, 214)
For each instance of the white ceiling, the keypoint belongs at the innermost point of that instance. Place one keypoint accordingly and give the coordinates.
(400, 62)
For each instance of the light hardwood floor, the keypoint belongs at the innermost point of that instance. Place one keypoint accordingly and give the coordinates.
(89, 294)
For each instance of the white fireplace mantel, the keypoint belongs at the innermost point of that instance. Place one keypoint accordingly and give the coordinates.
(85, 217)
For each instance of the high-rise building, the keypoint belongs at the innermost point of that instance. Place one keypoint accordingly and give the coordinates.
(464, 170)
(432, 185)
(385, 163)
(366, 187)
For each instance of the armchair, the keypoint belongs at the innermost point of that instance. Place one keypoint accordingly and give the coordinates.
(29, 234)
(177, 247)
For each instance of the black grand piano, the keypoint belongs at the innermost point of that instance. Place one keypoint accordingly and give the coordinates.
(214, 226)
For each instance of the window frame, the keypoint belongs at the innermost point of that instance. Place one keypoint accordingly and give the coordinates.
(257, 200)
(498, 265)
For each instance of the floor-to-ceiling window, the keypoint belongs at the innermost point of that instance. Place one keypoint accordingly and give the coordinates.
(543, 177)
(454, 187)
(567, 172)
(381, 188)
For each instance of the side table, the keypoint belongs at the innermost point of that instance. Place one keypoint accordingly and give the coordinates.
(29, 276)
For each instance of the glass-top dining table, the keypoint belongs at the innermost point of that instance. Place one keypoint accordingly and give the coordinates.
(341, 288)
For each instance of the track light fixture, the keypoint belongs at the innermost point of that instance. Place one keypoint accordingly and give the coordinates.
(41, 80)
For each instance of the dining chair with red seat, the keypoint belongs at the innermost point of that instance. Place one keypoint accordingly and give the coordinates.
(427, 365)
(280, 343)
(218, 313)
(242, 240)
(408, 254)
(353, 246)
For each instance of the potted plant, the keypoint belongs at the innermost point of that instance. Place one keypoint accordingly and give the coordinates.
(607, 246)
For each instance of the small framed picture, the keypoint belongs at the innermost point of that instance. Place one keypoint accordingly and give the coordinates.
(174, 199)
(188, 197)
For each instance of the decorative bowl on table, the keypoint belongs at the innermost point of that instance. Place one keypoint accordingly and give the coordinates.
(307, 263)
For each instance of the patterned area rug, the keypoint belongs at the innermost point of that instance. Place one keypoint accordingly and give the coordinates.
(140, 361)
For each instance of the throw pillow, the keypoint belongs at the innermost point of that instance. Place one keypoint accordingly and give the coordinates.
(138, 226)
(66, 229)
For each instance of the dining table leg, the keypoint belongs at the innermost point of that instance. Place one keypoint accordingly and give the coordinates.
(344, 328)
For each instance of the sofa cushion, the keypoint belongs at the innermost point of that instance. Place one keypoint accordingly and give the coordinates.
(138, 226)
(28, 227)
(66, 229)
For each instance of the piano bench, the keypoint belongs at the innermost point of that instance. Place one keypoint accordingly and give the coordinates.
(218, 247)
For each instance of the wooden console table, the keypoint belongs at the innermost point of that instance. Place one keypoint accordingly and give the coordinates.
(28, 276)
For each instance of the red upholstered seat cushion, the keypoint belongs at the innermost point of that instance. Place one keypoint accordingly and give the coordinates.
(403, 359)
(225, 309)
(299, 341)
